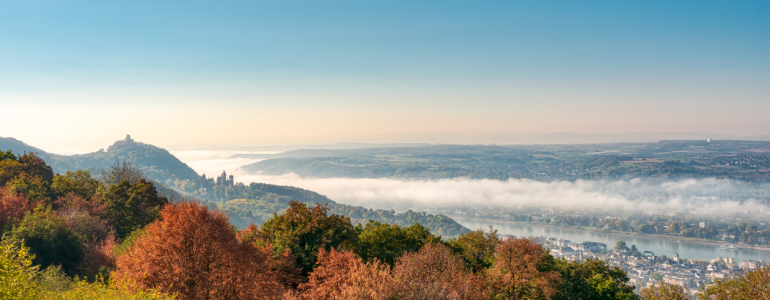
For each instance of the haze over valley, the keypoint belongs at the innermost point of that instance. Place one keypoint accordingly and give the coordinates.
(385, 150)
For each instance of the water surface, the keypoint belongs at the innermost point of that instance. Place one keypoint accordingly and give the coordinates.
(660, 246)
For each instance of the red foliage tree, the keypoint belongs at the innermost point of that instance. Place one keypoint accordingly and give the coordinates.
(13, 206)
(73, 202)
(195, 252)
(434, 272)
(343, 275)
(522, 269)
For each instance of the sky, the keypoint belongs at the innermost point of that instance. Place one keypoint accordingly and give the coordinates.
(77, 75)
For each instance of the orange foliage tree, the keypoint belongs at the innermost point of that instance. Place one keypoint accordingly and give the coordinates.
(343, 275)
(522, 269)
(195, 252)
(434, 272)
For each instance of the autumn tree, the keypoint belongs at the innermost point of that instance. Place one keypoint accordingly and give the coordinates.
(304, 231)
(522, 269)
(284, 263)
(592, 279)
(434, 272)
(476, 248)
(132, 205)
(97, 235)
(13, 206)
(663, 291)
(344, 275)
(386, 242)
(752, 285)
(195, 252)
(72, 202)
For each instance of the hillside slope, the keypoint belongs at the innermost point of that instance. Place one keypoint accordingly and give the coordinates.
(252, 203)
(157, 163)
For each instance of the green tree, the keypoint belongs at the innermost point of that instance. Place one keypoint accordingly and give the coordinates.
(476, 248)
(655, 276)
(644, 228)
(8, 154)
(79, 183)
(132, 206)
(592, 279)
(36, 167)
(674, 228)
(304, 231)
(386, 242)
(17, 273)
(32, 186)
(9, 169)
(620, 245)
(50, 240)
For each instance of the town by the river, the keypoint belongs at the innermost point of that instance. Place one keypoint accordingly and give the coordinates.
(660, 246)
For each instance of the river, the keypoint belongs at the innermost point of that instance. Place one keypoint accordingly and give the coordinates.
(660, 246)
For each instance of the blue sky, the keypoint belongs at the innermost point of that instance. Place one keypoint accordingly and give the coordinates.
(328, 71)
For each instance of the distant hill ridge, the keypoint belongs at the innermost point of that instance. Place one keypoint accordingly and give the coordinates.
(157, 163)
(245, 204)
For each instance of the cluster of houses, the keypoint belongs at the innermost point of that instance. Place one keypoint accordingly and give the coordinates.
(644, 270)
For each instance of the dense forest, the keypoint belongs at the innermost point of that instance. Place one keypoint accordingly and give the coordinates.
(742, 160)
(71, 236)
(257, 202)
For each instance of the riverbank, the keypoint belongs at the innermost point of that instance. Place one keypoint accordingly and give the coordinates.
(631, 234)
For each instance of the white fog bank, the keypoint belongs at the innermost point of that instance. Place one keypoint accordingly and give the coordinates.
(690, 196)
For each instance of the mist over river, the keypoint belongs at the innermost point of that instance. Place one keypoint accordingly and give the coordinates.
(660, 246)
(397, 194)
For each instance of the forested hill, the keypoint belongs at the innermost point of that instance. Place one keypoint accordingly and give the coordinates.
(252, 203)
(19, 147)
(157, 163)
(256, 202)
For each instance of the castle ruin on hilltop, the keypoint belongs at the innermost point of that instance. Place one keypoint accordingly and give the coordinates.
(225, 180)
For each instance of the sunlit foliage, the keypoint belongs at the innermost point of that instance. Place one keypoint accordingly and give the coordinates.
(752, 285)
(195, 252)
(663, 291)
(386, 242)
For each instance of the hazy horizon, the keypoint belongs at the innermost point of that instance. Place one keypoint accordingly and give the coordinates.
(448, 138)
(76, 76)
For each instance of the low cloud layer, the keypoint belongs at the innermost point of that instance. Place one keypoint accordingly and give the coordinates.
(708, 197)
(690, 196)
